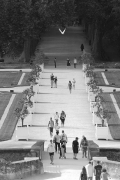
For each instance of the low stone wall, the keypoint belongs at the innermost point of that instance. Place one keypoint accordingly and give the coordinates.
(112, 167)
(21, 169)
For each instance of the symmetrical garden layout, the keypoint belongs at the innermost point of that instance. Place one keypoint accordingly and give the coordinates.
(9, 101)
(104, 96)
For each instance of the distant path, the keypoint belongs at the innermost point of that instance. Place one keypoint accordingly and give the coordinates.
(54, 44)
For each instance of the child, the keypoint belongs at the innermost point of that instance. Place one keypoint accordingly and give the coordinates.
(104, 174)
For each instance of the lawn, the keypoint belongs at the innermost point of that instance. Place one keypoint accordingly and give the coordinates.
(99, 79)
(4, 100)
(114, 121)
(9, 78)
(24, 81)
(8, 127)
(113, 77)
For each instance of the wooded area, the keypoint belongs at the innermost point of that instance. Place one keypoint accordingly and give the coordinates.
(22, 22)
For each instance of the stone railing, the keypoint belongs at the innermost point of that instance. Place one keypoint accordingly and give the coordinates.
(113, 167)
(21, 169)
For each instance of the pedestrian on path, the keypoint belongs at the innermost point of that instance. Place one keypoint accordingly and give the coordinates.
(82, 47)
(52, 80)
(55, 82)
(63, 149)
(83, 175)
(56, 117)
(55, 62)
(73, 82)
(51, 150)
(84, 146)
(89, 170)
(51, 126)
(75, 62)
(56, 140)
(104, 174)
(75, 147)
(97, 171)
(62, 118)
(70, 86)
(64, 139)
(68, 62)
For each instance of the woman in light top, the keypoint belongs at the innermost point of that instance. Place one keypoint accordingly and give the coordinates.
(104, 174)
(51, 150)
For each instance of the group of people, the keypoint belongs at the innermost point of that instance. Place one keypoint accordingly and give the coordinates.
(53, 80)
(88, 171)
(74, 62)
(58, 144)
(55, 123)
(83, 146)
(71, 85)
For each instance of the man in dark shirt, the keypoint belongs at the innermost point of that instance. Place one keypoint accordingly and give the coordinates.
(97, 171)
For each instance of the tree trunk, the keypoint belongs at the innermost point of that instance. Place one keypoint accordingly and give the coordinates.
(27, 49)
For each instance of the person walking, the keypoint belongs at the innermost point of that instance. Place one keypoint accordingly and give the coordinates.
(52, 80)
(97, 171)
(75, 62)
(51, 150)
(62, 118)
(55, 81)
(83, 175)
(55, 62)
(84, 146)
(63, 146)
(70, 86)
(51, 126)
(56, 140)
(104, 174)
(75, 147)
(64, 138)
(89, 170)
(68, 62)
(73, 82)
(82, 47)
(56, 118)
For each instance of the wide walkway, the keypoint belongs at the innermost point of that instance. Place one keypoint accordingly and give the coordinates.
(50, 100)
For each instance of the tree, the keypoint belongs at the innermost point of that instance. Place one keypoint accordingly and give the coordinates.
(26, 21)
(99, 21)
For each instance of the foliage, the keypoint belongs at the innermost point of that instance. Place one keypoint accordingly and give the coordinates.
(61, 12)
(102, 21)
(20, 19)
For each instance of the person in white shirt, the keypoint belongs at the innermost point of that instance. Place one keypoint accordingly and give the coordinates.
(89, 170)
(51, 150)
(75, 62)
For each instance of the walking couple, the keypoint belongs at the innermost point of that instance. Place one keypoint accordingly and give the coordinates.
(83, 146)
(53, 81)
(71, 85)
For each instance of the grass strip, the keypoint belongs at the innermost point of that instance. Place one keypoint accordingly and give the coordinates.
(4, 99)
(24, 81)
(8, 79)
(113, 77)
(11, 120)
(114, 121)
(99, 79)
